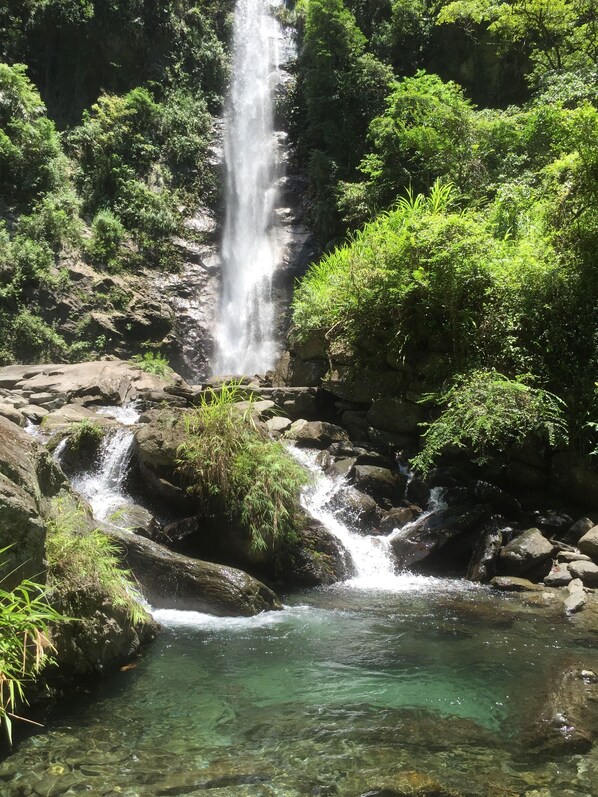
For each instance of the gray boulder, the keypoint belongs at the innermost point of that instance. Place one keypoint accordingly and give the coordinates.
(170, 580)
(382, 484)
(559, 576)
(525, 553)
(482, 565)
(587, 572)
(588, 544)
(578, 529)
(316, 434)
(431, 534)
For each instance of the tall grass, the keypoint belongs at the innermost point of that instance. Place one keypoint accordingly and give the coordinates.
(233, 467)
(25, 617)
(83, 559)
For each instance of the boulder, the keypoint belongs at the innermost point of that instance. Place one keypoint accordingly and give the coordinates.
(317, 559)
(156, 450)
(357, 510)
(578, 530)
(577, 597)
(567, 723)
(513, 584)
(482, 565)
(316, 434)
(431, 534)
(29, 477)
(525, 553)
(572, 556)
(559, 576)
(418, 492)
(278, 425)
(587, 572)
(170, 580)
(588, 544)
(382, 484)
(103, 381)
(395, 519)
(395, 415)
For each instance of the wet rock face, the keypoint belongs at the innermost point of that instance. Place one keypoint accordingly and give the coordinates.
(170, 580)
(382, 484)
(28, 479)
(318, 558)
(431, 534)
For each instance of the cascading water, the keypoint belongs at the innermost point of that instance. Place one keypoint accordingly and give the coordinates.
(250, 252)
(103, 487)
(372, 556)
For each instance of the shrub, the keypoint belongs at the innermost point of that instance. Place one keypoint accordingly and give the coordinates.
(107, 234)
(153, 362)
(233, 466)
(485, 413)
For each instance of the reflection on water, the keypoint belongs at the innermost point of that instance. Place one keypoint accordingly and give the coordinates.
(342, 692)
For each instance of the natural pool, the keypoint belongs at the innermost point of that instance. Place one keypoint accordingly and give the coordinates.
(423, 689)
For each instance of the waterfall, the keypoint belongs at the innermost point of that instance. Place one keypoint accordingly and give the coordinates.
(245, 341)
(104, 486)
(372, 556)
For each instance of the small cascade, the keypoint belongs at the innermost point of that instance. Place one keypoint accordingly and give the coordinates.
(371, 555)
(104, 486)
(250, 249)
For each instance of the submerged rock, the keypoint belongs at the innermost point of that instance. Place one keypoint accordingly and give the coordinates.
(171, 580)
(568, 722)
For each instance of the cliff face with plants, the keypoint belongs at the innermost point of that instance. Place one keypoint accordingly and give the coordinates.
(471, 279)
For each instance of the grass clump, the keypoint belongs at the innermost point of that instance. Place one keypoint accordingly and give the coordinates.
(85, 434)
(153, 362)
(234, 467)
(82, 559)
(485, 413)
(25, 617)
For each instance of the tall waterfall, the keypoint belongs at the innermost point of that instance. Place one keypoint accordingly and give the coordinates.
(245, 336)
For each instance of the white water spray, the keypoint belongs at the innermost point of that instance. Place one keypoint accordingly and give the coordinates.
(372, 556)
(250, 253)
(104, 486)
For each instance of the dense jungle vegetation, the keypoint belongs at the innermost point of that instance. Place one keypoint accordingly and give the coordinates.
(106, 114)
(468, 190)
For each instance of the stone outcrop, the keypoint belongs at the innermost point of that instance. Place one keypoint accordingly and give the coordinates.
(174, 581)
(29, 478)
(529, 551)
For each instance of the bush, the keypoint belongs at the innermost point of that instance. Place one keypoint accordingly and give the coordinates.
(233, 466)
(153, 362)
(485, 413)
(107, 235)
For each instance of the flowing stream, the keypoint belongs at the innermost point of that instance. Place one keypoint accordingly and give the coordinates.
(250, 251)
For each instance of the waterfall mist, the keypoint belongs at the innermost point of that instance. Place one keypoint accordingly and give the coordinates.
(245, 339)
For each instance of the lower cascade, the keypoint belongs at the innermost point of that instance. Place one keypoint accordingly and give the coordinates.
(372, 558)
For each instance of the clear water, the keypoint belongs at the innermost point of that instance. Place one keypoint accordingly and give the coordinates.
(343, 692)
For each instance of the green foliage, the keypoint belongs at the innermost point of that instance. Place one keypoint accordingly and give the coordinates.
(107, 235)
(82, 559)
(427, 132)
(153, 362)
(25, 618)
(485, 413)
(556, 34)
(29, 144)
(232, 465)
(85, 433)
